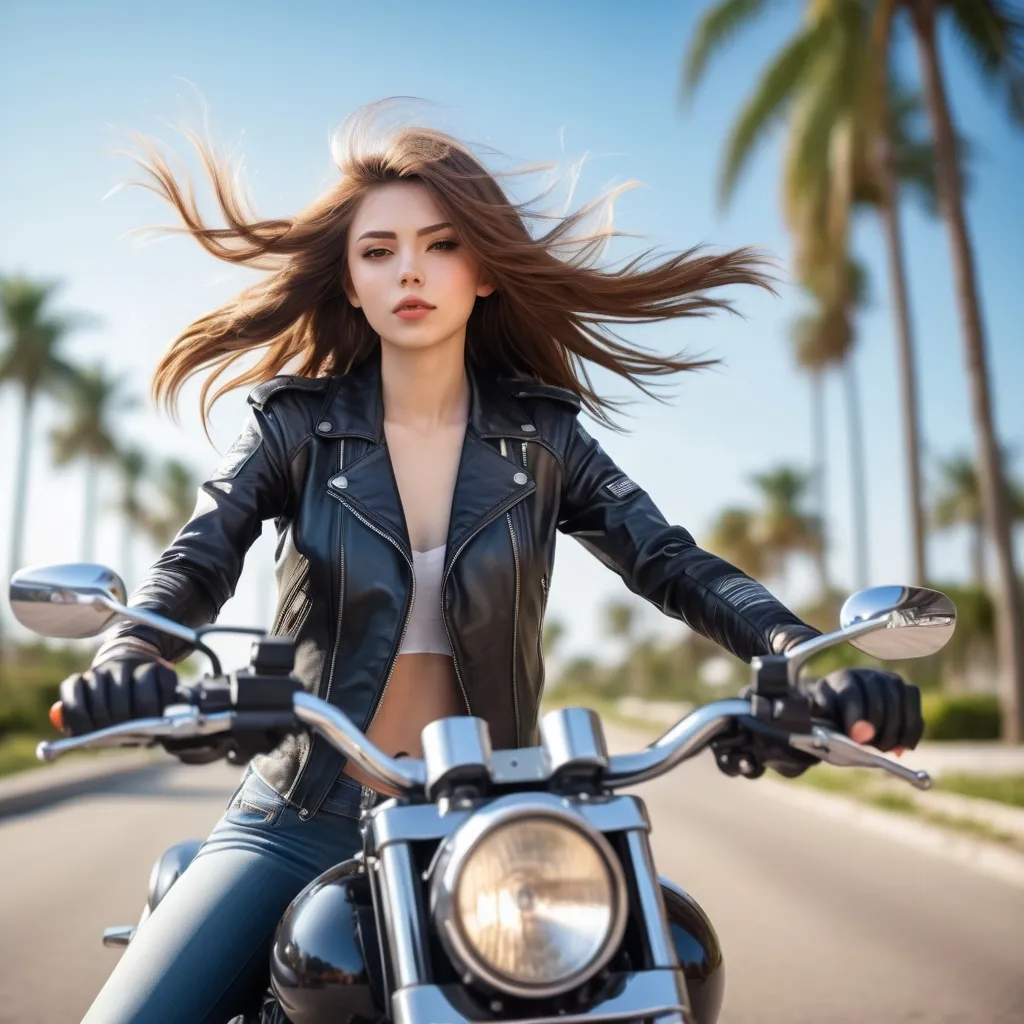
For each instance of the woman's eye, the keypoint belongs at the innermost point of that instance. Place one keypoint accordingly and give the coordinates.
(374, 254)
(445, 244)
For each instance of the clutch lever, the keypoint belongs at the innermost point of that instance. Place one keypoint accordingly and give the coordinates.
(837, 749)
(179, 722)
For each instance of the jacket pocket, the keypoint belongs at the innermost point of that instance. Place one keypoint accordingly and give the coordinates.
(255, 803)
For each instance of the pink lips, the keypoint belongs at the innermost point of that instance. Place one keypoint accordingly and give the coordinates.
(412, 308)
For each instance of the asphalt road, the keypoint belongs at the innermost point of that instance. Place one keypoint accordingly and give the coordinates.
(819, 921)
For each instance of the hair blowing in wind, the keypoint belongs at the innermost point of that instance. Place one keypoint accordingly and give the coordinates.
(553, 311)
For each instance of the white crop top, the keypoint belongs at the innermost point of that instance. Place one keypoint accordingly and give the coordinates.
(425, 633)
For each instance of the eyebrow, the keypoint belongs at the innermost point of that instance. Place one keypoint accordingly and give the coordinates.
(419, 234)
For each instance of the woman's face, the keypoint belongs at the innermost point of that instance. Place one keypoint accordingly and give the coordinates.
(408, 270)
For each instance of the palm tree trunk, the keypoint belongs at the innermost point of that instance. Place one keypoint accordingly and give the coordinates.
(818, 445)
(858, 478)
(1008, 599)
(89, 514)
(978, 554)
(28, 398)
(908, 374)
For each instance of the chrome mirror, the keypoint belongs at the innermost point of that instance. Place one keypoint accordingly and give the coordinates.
(81, 600)
(912, 621)
(70, 601)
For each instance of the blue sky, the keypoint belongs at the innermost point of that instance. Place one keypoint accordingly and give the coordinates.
(538, 82)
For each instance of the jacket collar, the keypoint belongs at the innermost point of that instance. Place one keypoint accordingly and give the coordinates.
(487, 483)
(354, 407)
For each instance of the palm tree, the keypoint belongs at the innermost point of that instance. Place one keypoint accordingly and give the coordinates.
(812, 354)
(853, 140)
(825, 337)
(88, 436)
(818, 76)
(760, 541)
(135, 516)
(959, 503)
(782, 527)
(32, 360)
(177, 485)
(993, 33)
(733, 537)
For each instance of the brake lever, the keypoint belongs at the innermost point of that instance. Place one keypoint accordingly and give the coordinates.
(837, 749)
(178, 722)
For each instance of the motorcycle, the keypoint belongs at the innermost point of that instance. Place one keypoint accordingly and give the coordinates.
(498, 885)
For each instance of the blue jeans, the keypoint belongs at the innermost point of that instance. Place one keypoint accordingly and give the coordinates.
(203, 953)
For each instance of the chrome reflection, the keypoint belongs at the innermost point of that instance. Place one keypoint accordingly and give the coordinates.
(70, 601)
(917, 621)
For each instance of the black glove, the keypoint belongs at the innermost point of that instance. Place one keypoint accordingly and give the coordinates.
(892, 706)
(236, 747)
(116, 691)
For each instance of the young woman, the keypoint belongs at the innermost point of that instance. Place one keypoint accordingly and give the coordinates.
(417, 465)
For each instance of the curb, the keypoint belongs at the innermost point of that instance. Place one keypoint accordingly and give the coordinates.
(975, 854)
(35, 788)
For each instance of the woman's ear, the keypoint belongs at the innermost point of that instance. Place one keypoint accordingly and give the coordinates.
(485, 287)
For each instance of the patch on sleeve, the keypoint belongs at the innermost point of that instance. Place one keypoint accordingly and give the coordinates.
(622, 487)
(741, 592)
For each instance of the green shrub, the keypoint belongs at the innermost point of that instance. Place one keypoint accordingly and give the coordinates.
(29, 681)
(973, 716)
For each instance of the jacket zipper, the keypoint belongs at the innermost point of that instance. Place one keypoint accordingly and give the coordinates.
(341, 585)
(545, 585)
(444, 579)
(515, 615)
(304, 812)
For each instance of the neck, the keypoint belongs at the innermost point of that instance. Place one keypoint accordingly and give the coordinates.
(424, 389)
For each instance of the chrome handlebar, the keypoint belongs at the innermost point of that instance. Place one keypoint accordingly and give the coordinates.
(688, 737)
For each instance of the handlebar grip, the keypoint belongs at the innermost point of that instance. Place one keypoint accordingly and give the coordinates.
(57, 715)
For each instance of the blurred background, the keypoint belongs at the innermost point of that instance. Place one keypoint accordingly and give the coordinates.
(864, 426)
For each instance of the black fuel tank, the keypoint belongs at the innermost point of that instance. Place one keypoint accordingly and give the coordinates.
(317, 967)
(699, 952)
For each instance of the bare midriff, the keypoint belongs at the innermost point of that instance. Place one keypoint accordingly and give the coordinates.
(423, 688)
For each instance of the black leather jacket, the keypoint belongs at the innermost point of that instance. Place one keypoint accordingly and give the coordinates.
(314, 459)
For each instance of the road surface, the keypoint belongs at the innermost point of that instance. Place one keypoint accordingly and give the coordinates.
(819, 921)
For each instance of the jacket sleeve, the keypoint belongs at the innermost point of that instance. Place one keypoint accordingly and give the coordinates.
(615, 519)
(193, 577)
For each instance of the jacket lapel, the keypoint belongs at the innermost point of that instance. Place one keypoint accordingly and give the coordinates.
(487, 484)
(369, 488)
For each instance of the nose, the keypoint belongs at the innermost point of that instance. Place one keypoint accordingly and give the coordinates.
(410, 273)
(410, 276)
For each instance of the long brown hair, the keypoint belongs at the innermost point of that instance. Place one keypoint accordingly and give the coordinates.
(552, 313)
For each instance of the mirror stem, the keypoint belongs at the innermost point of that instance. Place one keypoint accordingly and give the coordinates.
(163, 625)
(798, 655)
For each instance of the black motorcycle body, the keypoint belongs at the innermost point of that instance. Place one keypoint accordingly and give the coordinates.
(326, 965)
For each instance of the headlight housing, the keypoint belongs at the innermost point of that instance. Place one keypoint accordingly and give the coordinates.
(529, 899)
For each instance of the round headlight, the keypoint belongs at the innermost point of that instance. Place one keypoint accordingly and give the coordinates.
(533, 905)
